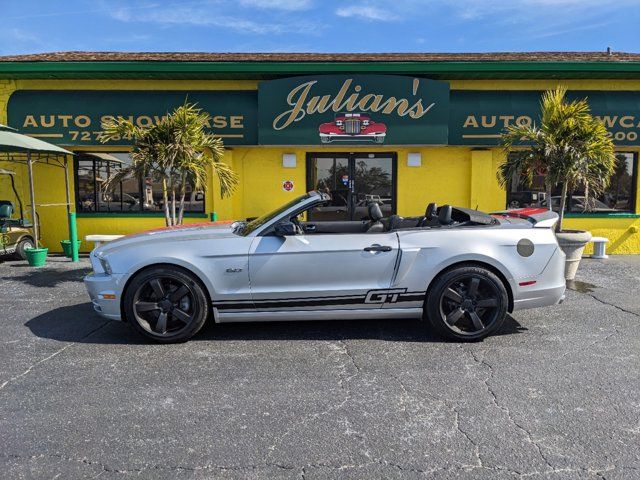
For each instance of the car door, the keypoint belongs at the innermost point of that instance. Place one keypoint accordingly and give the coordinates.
(322, 271)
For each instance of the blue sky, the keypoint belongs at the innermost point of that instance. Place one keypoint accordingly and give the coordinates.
(30, 26)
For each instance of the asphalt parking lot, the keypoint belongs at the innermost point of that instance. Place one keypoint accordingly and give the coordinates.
(556, 394)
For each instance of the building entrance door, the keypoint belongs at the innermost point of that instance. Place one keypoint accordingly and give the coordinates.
(353, 180)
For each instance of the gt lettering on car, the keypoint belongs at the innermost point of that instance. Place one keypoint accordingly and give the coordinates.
(384, 296)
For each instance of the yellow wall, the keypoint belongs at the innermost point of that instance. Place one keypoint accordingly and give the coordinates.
(456, 175)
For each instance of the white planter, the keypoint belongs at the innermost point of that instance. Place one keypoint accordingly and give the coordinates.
(572, 243)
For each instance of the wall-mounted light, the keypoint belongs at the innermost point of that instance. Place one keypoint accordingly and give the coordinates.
(414, 160)
(289, 160)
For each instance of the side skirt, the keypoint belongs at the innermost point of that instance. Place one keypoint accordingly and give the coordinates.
(300, 315)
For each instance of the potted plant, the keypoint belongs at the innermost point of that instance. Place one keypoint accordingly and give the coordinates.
(36, 257)
(178, 151)
(572, 149)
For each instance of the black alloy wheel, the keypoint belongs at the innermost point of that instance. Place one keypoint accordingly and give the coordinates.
(467, 303)
(166, 304)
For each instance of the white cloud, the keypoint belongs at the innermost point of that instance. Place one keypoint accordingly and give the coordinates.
(17, 40)
(200, 17)
(473, 9)
(287, 5)
(366, 12)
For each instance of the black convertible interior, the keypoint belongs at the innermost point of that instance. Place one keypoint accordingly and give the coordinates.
(434, 217)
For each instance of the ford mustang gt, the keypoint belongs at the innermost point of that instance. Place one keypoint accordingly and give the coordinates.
(459, 269)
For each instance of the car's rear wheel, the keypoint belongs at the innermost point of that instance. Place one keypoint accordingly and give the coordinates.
(23, 245)
(166, 304)
(467, 303)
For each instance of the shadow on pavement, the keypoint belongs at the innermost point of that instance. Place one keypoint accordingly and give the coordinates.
(79, 323)
(48, 277)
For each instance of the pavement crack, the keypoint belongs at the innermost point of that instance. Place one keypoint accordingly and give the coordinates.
(604, 302)
(342, 348)
(54, 354)
(505, 409)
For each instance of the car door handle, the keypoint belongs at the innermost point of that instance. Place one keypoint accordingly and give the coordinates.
(310, 228)
(378, 248)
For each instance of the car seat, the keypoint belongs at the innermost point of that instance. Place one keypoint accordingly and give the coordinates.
(393, 222)
(6, 210)
(375, 214)
(430, 216)
(444, 215)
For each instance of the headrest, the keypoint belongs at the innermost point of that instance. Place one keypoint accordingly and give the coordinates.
(6, 210)
(375, 213)
(444, 215)
(395, 221)
(432, 211)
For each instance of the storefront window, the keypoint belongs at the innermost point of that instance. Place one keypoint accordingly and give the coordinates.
(618, 198)
(131, 195)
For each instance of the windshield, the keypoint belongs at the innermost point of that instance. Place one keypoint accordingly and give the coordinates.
(245, 228)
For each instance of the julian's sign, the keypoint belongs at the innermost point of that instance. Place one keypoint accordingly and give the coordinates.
(358, 109)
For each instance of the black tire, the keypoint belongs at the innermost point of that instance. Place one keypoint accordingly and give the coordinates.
(166, 304)
(24, 244)
(467, 303)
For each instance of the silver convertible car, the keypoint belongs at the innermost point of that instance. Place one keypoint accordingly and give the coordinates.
(460, 269)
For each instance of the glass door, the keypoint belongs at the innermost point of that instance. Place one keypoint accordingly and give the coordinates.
(353, 180)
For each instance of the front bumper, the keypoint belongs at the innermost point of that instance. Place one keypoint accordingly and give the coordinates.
(105, 292)
(341, 137)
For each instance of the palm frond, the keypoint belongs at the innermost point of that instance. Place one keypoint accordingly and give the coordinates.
(570, 145)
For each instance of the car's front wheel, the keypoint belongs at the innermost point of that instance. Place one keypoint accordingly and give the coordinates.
(467, 303)
(166, 304)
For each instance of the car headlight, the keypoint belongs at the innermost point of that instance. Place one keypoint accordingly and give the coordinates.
(105, 265)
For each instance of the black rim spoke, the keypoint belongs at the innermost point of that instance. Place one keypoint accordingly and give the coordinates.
(476, 321)
(487, 303)
(179, 293)
(454, 316)
(181, 315)
(473, 286)
(146, 306)
(157, 287)
(451, 294)
(161, 324)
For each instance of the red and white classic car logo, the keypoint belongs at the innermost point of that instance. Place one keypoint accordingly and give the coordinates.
(352, 127)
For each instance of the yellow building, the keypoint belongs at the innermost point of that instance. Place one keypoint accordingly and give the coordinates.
(401, 129)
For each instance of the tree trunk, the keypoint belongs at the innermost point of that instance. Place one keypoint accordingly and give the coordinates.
(549, 190)
(165, 199)
(173, 205)
(183, 191)
(563, 202)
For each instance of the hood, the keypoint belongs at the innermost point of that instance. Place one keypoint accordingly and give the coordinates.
(190, 231)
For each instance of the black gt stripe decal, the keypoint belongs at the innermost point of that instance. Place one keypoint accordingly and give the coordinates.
(381, 296)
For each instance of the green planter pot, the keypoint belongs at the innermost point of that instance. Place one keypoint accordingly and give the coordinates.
(37, 257)
(66, 247)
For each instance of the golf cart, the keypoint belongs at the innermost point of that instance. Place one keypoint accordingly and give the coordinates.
(16, 235)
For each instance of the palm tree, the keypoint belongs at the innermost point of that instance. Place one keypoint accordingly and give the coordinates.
(571, 147)
(177, 151)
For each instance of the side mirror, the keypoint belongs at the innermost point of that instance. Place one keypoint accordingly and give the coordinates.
(284, 229)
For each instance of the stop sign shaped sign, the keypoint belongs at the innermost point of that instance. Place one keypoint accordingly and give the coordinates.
(287, 185)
